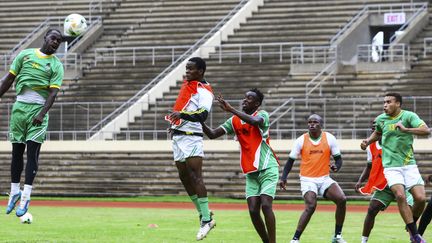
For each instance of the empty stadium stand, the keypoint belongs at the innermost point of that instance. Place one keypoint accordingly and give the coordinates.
(154, 173)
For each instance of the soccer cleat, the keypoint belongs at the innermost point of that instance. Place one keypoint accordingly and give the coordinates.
(417, 239)
(23, 207)
(338, 239)
(295, 241)
(13, 199)
(205, 229)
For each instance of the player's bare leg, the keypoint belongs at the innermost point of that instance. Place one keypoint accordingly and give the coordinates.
(335, 194)
(254, 205)
(270, 220)
(374, 207)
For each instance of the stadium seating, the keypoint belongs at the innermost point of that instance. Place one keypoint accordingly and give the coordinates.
(154, 173)
(275, 22)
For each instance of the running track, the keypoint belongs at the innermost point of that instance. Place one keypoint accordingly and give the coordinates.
(189, 205)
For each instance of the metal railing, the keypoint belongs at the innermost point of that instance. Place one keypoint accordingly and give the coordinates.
(96, 6)
(379, 9)
(390, 53)
(345, 117)
(134, 54)
(320, 78)
(421, 7)
(279, 50)
(71, 60)
(427, 45)
(162, 74)
(93, 21)
(312, 54)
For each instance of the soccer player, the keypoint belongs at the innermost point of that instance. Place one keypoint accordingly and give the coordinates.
(258, 162)
(38, 74)
(315, 148)
(382, 196)
(192, 106)
(397, 127)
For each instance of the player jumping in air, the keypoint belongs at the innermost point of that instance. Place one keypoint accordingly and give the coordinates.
(38, 74)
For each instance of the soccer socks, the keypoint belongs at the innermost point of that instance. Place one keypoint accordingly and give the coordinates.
(412, 227)
(297, 235)
(338, 230)
(15, 188)
(205, 211)
(27, 192)
(364, 239)
(194, 199)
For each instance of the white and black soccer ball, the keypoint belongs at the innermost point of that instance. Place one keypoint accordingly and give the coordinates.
(27, 218)
(74, 25)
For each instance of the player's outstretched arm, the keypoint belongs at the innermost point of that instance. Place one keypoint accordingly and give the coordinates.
(375, 136)
(48, 103)
(6, 83)
(252, 120)
(212, 133)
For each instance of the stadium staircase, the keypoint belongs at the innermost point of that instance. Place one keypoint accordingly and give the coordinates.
(275, 22)
(138, 23)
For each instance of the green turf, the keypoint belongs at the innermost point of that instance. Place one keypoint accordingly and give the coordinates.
(55, 224)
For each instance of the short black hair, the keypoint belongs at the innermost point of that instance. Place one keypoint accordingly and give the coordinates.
(318, 117)
(259, 94)
(199, 62)
(54, 30)
(397, 96)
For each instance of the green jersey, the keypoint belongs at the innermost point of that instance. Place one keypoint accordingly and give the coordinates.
(256, 153)
(37, 72)
(397, 146)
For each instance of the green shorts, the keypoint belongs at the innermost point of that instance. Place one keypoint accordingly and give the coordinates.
(21, 128)
(262, 182)
(386, 196)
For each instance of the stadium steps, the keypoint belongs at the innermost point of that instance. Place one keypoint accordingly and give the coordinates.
(154, 173)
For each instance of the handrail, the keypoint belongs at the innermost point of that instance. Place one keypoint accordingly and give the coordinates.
(330, 66)
(279, 108)
(162, 74)
(87, 111)
(349, 24)
(417, 13)
(392, 53)
(376, 8)
(97, 20)
(426, 47)
(312, 54)
(229, 53)
(34, 31)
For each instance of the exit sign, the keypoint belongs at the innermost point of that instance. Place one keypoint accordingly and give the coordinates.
(394, 18)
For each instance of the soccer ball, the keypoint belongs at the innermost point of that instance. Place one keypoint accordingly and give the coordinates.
(74, 25)
(27, 218)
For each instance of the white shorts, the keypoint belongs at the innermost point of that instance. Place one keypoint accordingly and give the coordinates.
(185, 146)
(408, 176)
(315, 184)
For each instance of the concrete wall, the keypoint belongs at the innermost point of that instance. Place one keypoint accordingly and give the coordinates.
(358, 34)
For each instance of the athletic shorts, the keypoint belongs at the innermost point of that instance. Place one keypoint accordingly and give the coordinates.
(386, 196)
(408, 176)
(315, 184)
(262, 182)
(21, 128)
(185, 146)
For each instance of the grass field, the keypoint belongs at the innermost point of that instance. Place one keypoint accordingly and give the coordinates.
(71, 224)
